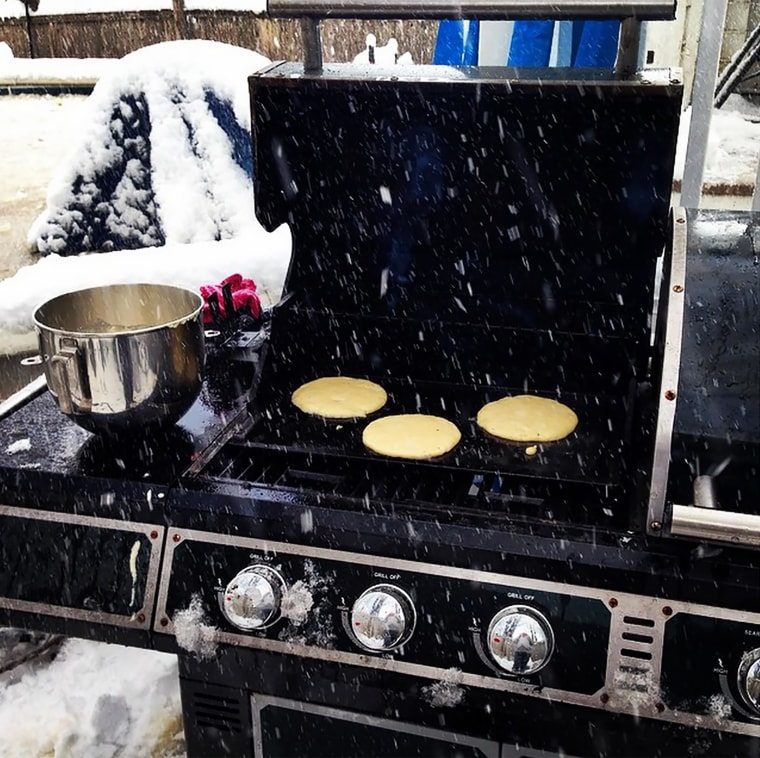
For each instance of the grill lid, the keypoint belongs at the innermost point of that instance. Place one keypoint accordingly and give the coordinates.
(455, 197)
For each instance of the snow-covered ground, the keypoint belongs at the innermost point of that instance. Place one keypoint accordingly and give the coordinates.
(95, 700)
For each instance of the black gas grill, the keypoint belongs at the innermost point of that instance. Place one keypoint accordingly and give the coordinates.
(459, 235)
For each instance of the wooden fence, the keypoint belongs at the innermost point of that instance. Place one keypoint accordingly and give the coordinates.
(113, 35)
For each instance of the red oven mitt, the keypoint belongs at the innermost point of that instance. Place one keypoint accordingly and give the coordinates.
(243, 297)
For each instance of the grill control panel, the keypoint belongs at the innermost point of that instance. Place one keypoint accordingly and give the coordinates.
(470, 628)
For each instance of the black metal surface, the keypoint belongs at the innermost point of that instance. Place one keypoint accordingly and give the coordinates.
(99, 578)
(447, 493)
(588, 454)
(452, 535)
(471, 198)
(582, 624)
(518, 723)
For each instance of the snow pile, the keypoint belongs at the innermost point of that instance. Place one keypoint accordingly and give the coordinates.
(296, 603)
(109, 712)
(51, 70)
(193, 632)
(164, 156)
(445, 693)
(733, 146)
(307, 607)
(164, 159)
(19, 446)
(387, 55)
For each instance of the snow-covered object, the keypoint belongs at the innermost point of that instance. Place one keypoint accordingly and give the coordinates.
(387, 55)
(297, 602)
(193, 632)
(164, 156)
(445, 693)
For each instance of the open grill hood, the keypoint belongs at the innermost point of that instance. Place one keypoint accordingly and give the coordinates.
(459, 237)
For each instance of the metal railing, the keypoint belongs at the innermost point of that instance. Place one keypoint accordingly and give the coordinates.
(630, 12)
(474, 9)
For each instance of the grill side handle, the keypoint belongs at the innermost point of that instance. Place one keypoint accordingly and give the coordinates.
(715, 525)
(485, 10)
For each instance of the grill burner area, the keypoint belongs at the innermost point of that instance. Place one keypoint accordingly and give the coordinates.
(592, 453)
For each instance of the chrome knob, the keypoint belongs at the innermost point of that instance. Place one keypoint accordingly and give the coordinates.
(748, 679)
(383, 618)
(520, 640)
(252, 599)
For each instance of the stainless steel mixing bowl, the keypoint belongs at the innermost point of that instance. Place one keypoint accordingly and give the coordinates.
(124, 356)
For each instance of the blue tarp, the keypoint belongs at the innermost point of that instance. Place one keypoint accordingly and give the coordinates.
(596, 45)
(583, 44)
(457, 43)
(531, 43)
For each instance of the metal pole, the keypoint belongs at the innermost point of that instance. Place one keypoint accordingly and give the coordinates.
(312, 45)
(756, 192)
(627, 60)
(702, 95)
(484, 10)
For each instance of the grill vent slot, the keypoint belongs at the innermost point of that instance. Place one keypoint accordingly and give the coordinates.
(645, 638)
(217, 712)
(635, 621)
(638, 654)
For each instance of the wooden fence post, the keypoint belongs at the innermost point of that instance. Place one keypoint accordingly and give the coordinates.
(180, 19)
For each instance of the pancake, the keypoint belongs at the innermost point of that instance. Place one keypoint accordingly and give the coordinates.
(413, 435)
(339, 397)
(527, 418)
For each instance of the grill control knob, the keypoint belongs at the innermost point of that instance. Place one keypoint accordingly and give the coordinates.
(252, 599)
(520, 640)
(748, 679)
(383, 618)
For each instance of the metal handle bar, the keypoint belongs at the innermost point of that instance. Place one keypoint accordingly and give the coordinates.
(22, 396)
(474, 9)
(720, 526)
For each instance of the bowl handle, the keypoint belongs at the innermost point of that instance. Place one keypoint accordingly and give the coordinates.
(66, 367)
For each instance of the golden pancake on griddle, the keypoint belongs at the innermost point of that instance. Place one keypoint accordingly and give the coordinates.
(340, 397)
(415, 436)
(527, 418)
